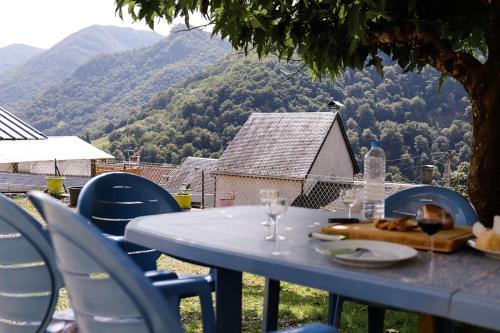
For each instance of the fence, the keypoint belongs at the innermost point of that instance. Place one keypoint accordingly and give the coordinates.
(208, 189)
(158, 173)
(314, 191)
(22, 177)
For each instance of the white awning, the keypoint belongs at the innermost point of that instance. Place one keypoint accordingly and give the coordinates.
(54, 147)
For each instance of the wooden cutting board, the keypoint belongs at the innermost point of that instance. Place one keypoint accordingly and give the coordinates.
(444, 240)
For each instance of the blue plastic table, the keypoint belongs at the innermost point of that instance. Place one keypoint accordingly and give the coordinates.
(459, 285)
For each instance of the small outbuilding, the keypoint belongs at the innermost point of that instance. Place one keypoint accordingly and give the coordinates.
(197, 172)
(281, 150)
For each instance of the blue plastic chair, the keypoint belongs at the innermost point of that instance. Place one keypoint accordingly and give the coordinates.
(29, 279)
(407, 203)
(108, 291)
(111, 200)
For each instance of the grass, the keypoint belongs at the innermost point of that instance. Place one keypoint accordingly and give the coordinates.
(298, 304)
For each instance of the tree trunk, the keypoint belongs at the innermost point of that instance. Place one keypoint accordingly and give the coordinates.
(484, 174)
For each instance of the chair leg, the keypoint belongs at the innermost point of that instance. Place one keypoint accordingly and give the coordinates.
(175, 304)
(337, 311)
(228, 301)
(271, 305)
(375, 319)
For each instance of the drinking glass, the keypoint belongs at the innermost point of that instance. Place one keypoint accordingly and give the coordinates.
(349, 198)
(275, 210)
(430, 222)
(266, 197)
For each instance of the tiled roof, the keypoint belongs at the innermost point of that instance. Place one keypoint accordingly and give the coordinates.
(13, 128)
(189, 172)
(281, 145)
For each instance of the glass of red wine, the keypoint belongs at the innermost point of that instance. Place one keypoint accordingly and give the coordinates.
(430, 222)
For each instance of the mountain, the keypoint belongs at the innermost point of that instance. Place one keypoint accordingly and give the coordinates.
(200, 116)
(16, 54)
(23, 83)
(103, 90)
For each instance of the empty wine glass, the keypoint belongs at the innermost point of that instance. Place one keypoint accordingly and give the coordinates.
(266, 197)
(275, 210)
(430, 221)
(349, 198)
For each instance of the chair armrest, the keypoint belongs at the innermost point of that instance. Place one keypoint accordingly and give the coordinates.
(174, 290)
(125, 245)
(186, 287)
(210, 278)
(155, 276)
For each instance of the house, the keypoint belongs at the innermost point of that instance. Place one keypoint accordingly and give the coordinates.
(197, 172)
(281, 150)
(24, 149)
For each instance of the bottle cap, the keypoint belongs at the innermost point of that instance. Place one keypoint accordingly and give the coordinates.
(375, 144)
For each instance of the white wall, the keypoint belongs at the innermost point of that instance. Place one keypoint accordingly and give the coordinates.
(246, 189)
(333, 158)
(66, 168)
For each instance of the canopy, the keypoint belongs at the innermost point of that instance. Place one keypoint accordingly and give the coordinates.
(54, 147)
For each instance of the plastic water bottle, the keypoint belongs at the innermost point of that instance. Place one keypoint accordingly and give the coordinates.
(373, 194)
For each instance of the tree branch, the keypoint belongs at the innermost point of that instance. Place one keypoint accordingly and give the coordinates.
(195, 28)
(291, 75)
(430, 48)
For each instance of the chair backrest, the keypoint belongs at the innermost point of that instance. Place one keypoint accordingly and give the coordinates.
(112, 199)
(412, 199)
(108, 292)
(29, 279)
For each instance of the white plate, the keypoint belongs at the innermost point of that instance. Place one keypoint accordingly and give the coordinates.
(382, 253)
(488, 253)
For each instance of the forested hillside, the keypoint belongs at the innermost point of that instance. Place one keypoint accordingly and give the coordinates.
(23, 83)
(15, 54)
(415, 124)
(101, 92)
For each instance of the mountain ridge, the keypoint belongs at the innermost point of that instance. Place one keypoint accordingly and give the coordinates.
(25, 82)
(15, 54)
(105, 88)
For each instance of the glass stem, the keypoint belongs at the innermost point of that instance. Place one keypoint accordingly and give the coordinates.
(275, 228)
(349, 211)
(268, 216)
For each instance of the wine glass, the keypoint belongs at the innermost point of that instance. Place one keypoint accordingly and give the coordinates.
(349, 197)
(275, 210)
(430, 221)
(266, 197)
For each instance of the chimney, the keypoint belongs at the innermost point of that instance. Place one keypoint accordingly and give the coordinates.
(135, 158)
(427, 173)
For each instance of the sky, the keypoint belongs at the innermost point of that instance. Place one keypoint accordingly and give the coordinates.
(43, 23)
